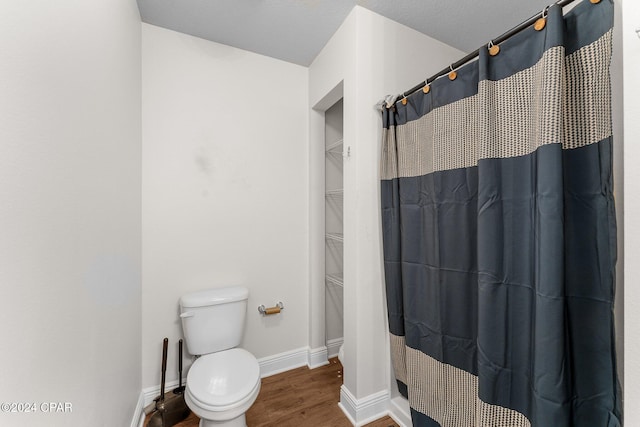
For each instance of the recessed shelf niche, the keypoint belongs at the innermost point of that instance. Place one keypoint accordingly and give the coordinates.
(334, 230)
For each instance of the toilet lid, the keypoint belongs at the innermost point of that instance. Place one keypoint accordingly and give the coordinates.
(223, 378)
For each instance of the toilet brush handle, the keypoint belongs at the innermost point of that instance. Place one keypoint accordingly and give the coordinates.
(165, 344)
(180, 362)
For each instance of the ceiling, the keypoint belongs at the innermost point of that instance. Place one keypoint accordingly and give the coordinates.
(297, 30)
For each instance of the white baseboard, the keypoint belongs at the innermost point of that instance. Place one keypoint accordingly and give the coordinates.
(317, 357)
(333, 347)
(151, 393)
(282, 362)
(138, 413)
(365, 410)
(400, 411)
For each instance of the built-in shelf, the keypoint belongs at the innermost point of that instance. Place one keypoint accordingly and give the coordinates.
(335, 279)
(335, 147)
(335, 237)
(335, 153)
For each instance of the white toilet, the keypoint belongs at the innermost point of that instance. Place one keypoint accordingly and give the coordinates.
(224, 381)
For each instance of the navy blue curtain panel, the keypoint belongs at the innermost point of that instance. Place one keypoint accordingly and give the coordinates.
(500, 237)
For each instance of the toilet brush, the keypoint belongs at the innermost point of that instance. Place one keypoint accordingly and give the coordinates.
(180, 388)
(169, 410)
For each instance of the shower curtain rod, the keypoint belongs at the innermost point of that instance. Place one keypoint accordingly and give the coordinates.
(515, 30)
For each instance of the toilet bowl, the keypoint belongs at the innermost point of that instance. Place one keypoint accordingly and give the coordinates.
(222, 386)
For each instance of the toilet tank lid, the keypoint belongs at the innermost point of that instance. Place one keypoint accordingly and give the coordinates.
(214, 296)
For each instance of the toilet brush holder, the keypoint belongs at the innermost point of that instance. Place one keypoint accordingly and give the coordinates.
(168, 409)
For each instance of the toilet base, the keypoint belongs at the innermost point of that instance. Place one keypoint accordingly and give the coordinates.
(236, 422)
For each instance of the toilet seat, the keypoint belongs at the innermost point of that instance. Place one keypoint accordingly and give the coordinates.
(224, 380)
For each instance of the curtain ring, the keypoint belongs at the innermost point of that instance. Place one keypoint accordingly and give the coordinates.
(452, 74)
(426, 87)
(494, 49)
(542, 21)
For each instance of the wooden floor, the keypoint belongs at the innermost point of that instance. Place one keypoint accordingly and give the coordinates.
(299, 398)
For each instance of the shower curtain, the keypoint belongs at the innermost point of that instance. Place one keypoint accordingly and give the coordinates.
(499, 234)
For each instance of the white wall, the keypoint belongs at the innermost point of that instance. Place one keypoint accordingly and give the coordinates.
(224, 189)
(631, 54)
(70, 212)
(372, 56)
(331, 77)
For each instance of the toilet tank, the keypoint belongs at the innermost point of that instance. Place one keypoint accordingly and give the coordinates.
(213, 320)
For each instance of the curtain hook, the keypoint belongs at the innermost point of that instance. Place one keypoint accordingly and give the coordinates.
(426, 87)
(542, 21)
(452, 74)
(494, 49)
(404, 99)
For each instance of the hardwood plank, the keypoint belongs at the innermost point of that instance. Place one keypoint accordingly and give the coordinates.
(299, 397)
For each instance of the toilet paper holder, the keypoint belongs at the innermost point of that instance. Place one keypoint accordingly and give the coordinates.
(271, 310)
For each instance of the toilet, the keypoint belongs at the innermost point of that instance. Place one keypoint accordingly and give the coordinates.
(224, 380)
